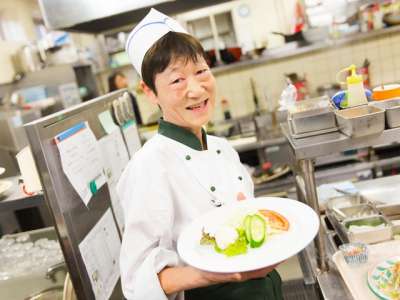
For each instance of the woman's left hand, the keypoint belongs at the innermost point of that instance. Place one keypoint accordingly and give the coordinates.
(214, 278)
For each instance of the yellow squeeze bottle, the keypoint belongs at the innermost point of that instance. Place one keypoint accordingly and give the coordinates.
(355, 88)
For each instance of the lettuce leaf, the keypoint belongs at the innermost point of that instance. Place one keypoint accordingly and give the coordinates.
(236, 248)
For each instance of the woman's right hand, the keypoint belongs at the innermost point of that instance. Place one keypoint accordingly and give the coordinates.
(176, 279)
(214, 278)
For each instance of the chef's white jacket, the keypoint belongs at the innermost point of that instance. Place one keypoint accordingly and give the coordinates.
(163, 188)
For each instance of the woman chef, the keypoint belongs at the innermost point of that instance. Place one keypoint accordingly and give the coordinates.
(179, 174)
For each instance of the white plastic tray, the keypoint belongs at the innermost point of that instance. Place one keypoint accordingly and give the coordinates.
(355, 277)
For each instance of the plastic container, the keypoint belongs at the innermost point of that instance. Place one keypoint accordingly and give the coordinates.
(354, 253)
(386, 92)
(355, 88)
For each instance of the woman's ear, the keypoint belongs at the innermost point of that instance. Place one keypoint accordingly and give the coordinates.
(151, 96)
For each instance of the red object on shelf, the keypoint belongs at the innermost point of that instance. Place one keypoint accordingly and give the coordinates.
(266, 166)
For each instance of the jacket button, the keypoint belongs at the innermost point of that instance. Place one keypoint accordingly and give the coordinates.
(218, 151)
(240, 177)
(212, 188)
(188, 157)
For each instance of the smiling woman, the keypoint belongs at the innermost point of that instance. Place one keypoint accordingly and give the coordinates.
(179, 174)
(177, 78)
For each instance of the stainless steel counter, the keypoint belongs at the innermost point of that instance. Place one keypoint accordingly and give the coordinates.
(331, 283)
(329, 143)
(15, 198)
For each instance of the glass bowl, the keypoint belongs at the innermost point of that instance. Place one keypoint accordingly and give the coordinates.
(354, 253)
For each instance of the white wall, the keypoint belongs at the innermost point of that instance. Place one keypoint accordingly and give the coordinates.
(20, 12)
(254, 30)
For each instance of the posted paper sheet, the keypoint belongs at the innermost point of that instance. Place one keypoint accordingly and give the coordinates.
(115, 157)
(132, 137)
(81, 160)
(107, 121)
(100, 254)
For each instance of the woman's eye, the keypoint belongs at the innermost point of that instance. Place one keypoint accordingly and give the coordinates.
(178, 80)
(202, 71)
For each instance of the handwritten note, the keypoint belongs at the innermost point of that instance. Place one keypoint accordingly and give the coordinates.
(115, 157)
(100, 253)
(81, 160)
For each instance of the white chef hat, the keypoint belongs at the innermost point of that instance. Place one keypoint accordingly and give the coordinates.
(153, 26)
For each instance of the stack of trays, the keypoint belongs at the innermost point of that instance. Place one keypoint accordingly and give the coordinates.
(311, 117)
(356, 220)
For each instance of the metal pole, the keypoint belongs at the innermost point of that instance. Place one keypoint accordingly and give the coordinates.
(307, 169)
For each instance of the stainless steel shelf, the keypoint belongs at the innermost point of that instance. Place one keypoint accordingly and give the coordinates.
(15, 199)
(261, 144)
(277, 54)
(330, 143)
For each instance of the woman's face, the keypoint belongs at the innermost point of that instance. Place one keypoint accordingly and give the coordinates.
(185, 93)
(121, 82)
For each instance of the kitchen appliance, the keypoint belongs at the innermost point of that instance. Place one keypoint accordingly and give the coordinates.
(92, 16)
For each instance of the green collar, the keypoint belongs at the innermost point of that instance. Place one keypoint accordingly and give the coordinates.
(182, 135)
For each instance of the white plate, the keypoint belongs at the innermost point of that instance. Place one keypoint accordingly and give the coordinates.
(2, 170)
(5, 185)
(379, 275)
(304, 225)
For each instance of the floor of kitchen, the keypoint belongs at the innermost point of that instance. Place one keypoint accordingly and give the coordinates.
(293, 285)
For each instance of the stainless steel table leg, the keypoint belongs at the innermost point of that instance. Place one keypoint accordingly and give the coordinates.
(307, 170)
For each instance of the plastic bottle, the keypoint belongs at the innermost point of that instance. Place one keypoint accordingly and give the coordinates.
(288, 97)
(355, 88)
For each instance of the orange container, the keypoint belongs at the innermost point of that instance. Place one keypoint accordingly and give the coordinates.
(386, 92)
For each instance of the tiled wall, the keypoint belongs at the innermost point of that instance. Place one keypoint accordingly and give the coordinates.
(320, 68)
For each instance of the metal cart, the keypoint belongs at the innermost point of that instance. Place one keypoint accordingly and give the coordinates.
(303, 154)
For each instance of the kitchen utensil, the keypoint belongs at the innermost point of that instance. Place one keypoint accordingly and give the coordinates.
(255, 98)
(361, 121)
(392, 111)
(342, 191)
(298, 36)
(385, 92)
(339, 212)
(392, 19)
(303, 221)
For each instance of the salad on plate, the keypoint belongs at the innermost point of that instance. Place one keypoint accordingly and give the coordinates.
(385, 279)
(244, 230)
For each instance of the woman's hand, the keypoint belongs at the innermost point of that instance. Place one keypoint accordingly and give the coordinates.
(176, 279)
(214, 278)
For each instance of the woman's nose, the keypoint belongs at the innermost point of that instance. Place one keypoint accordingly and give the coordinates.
(194, 88)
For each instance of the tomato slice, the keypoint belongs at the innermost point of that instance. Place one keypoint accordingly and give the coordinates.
(275, 219)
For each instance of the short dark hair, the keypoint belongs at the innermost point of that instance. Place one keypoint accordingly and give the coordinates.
(171, 46)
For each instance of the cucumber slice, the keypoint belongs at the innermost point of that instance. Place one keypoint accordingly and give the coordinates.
(246, 226)
(257, 231)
